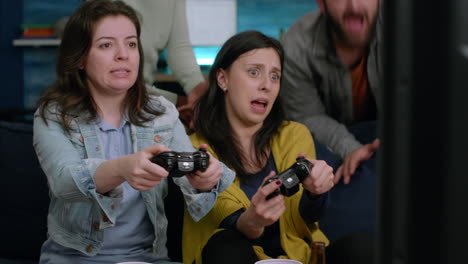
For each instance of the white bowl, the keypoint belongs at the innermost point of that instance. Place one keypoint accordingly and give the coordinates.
(278, 261)
(133, 262)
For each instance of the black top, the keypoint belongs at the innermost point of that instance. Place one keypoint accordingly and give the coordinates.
(311, 209)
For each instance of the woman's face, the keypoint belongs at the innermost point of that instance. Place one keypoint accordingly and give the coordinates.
(252, 84)
(112, 62)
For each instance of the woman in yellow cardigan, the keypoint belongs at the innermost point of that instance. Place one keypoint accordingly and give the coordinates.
(241, 119)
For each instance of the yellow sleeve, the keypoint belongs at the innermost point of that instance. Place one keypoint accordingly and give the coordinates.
(292, 139)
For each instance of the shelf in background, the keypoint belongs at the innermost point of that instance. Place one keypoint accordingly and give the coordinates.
(36, 42)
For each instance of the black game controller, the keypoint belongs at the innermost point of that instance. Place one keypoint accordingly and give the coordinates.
(180, 163)
(291, 178)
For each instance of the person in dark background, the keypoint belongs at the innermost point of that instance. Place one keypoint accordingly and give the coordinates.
(332, 81)
(95, 131)
(164, 27)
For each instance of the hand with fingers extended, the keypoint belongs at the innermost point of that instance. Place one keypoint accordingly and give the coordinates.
(187, 115)
(207, 179)
(354, 159)
(262, 211)
(140, 172)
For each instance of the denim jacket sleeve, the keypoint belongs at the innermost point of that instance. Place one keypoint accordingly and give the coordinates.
(198, 204)
(69, 172)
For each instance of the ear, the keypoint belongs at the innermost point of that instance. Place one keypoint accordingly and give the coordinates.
(221, 78)
(321, 4)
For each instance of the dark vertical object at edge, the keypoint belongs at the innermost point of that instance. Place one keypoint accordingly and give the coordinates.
(423, 188)
(455, 213)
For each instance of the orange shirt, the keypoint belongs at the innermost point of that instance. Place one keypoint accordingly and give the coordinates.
(364, 107)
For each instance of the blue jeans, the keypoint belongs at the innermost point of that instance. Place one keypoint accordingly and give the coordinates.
(352, 207)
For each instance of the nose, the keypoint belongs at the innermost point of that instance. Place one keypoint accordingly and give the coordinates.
(265, 84)
(121, 53)
(353, 4)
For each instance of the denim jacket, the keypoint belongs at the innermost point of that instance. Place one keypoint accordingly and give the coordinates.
(77, 212)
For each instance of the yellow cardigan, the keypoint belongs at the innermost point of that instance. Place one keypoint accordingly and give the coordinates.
(292, 139)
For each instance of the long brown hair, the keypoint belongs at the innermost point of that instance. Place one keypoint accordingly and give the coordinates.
(70, 92)
(212, 123)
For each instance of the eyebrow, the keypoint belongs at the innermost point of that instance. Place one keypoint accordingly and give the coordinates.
(104, 37)
(262, 66)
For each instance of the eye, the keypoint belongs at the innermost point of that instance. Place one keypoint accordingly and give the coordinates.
(275, 76)
(253, 72)
(132, 44)
(105, 45)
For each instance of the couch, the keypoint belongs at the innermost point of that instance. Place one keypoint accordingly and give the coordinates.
(24, 194)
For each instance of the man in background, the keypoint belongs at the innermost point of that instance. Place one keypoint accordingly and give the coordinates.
(331, 82)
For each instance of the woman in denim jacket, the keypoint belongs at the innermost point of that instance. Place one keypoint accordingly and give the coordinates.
(94, 133)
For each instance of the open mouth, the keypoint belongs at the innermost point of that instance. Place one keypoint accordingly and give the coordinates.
(120, 71)
(259, 103)
(354, 23)
(259, 106)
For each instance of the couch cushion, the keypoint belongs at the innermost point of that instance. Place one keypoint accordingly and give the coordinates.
(24, 193)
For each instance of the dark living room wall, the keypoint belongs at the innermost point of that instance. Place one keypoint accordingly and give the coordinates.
(11, 68)
(29, 70)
